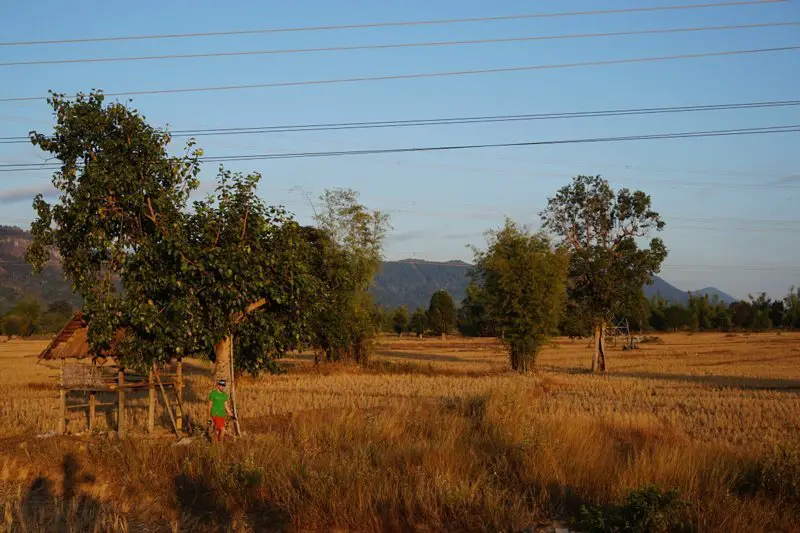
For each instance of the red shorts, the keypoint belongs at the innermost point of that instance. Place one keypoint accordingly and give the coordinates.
(219, 422)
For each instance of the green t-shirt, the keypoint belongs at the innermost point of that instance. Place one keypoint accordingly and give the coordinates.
(218, 400)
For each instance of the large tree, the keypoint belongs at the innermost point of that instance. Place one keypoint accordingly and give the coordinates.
(608, 268)
(523, 280)
(178, 278)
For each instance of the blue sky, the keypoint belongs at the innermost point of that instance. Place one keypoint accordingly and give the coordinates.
(730, 203)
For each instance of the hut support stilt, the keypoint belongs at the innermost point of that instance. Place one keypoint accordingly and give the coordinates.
(151, 402)
(62, 410)
(166, 404)
(121, 400)
(92, 405)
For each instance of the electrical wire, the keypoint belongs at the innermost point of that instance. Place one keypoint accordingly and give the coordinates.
(458, 120)
(394, 23)
(208, 55)
(432, 74)
(792, 128)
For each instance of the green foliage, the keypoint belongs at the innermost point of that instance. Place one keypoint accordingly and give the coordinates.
(523, 280)
(400, 320)
(792, 308)
(607, 267)
(13, 325)
(646, 510)
(56, 316)
(777, 474)
(418, 323)
(442, 313)
(473, 319)
(24, 317)
(350, 253)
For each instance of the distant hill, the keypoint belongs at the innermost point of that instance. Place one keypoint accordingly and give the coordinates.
(412, 282)
(711, 292)
(16, 276)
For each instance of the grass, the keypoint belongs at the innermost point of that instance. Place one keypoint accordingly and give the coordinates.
(433, 435)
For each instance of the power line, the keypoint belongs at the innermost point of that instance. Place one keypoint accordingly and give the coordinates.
(16, 167)
(434, 74)
(459, 120)
(423, 44)
(393, 23)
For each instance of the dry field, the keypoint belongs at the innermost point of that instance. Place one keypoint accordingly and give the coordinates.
(433, 435)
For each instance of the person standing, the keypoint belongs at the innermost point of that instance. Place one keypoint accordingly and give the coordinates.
(218, 409)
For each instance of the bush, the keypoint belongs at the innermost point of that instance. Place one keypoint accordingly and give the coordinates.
(646, 510)
(777, 474)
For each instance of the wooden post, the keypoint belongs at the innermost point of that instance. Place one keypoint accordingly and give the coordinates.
(233, 397)
(151, 405)
(179, 392)
(121, 401)
(92, 405)
(62, 410)
(166, 404)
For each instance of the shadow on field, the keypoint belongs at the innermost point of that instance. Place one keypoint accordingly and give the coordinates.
(204, 508)
(43, 508)
(738, 382)
(416, 356)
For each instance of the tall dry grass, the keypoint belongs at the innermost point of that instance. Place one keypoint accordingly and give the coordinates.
(435, 436)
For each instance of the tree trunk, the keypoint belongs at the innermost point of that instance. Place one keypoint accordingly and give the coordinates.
(523, 358)
(599, 352)
(223, 364)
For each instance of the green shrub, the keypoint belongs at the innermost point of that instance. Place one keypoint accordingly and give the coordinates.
(646, 510)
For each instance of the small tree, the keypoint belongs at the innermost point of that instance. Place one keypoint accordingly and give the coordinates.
(792, 308)
(607, 267)
(418, 323)
(27, 312)
(400, 320)
(13, 325)
(442, 313)
(473, 320)
(524, 282)
(352, 254)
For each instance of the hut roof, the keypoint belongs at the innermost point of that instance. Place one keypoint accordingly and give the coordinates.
(72, 343)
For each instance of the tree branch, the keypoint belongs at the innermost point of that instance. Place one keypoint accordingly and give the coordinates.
(258, 304)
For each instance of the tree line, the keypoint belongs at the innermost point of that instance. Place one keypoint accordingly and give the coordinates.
(29, 317)
(701, 313)
(235, 279)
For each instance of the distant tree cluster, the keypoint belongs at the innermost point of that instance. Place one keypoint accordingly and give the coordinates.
(440, 318)
(702, 313)
(27, 317)
(227, 276)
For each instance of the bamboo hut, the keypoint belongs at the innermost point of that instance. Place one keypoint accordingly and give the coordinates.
(83, 370)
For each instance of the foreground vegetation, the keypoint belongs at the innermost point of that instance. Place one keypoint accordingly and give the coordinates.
(436, 435)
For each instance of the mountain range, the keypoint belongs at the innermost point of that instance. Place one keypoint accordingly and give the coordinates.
(411, 282)
(407, 282)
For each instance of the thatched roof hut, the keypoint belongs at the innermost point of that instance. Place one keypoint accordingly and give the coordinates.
(72, 342)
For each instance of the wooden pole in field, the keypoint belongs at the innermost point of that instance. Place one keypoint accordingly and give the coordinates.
(166, 404)
(121, 400)
(151, 401)
(179, 393)
(92, 405)
(62, 410)
(233, 397)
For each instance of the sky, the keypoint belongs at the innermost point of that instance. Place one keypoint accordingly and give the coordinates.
(730, 202)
